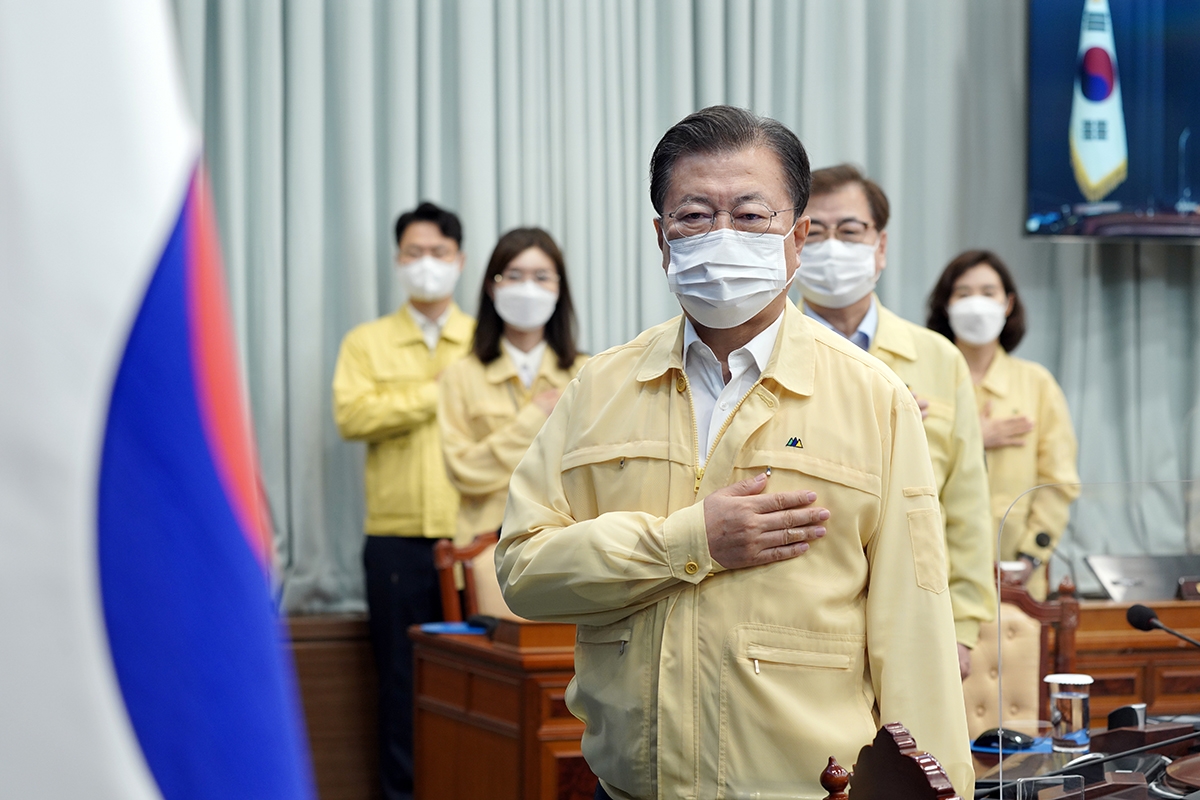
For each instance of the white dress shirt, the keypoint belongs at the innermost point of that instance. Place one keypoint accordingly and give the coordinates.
(431, 329)
(527, 364)
(713, 400)
(866, 329)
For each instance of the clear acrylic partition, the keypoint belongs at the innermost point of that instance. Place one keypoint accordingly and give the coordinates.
(1117, 543)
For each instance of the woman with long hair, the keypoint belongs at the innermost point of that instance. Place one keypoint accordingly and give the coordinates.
(494, 401)
(1027, 433)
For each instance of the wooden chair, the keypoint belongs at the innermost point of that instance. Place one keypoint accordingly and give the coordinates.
(1038, 640)
(445, 557)
(890, 768)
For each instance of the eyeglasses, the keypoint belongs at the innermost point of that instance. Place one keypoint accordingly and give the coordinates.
(696, 219)
(848, 230)
(542, 277)
(413, 252)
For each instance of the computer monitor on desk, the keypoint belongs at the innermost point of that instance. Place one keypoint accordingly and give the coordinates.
(1134, 578)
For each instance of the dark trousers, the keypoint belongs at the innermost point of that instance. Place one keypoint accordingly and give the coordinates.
(402, 590)
(600, 793)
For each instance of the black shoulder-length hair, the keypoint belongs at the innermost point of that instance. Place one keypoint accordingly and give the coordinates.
(560, 328)
(937, 317)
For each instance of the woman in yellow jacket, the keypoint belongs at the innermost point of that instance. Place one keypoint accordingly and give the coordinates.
(493, 402)
(1027, 433)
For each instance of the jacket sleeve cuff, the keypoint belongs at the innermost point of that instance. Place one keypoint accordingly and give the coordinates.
(966, 632)
(687, 544)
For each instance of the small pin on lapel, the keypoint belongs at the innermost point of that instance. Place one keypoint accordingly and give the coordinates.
(795, 442)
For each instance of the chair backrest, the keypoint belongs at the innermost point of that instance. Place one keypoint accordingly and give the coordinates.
(890, 768)
(445, 558)
(1037, 639)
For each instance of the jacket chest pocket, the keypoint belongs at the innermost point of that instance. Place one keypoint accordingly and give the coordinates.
(851, 495)
(635, 476)
(489, 416)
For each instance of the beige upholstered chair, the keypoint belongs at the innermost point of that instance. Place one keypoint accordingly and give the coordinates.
(481, 590)
(1037, 639)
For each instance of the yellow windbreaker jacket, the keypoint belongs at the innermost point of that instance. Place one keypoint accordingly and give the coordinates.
(488, 421)
(1016, 387)
(385, 394)
(699, 682)
(933, 367)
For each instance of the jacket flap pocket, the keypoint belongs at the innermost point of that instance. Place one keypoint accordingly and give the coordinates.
(800, 658)
(811, 465)
(599, 453)
(590, 635)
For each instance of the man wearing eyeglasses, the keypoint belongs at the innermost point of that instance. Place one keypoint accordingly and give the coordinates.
(385, 394)
(841, 261)
(737, 510)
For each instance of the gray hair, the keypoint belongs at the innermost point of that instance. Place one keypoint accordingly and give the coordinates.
(721, 129)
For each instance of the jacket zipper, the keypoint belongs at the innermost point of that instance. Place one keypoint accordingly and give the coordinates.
(699, 470)
(725, 425)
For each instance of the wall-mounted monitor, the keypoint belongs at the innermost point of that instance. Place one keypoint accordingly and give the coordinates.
(1114, 118)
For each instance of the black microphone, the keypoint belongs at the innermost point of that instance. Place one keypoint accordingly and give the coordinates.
(1043, 540)
(1145, 619)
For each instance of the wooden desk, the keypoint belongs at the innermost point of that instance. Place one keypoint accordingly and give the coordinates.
(490, 719)
(339, 690)
(1132, 666)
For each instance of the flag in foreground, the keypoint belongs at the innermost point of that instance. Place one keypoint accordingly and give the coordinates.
(143, 653)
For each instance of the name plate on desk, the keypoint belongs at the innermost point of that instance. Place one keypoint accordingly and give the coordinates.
(528, 635)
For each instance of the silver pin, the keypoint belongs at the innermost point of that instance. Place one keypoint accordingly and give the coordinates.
(621, 652)
(756, 666)
(768, 470)
(622, 464)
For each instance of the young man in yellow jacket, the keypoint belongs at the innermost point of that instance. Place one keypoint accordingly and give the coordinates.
(669, 504)
(385, 394)
(842, 259)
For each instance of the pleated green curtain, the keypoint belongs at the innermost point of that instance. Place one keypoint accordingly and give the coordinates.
(323, 119)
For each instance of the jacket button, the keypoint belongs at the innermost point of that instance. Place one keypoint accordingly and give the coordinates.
(681, 383)
(691, 568)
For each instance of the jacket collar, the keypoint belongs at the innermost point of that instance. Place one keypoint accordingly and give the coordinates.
(458, 327)
(503, 369)
(996, 379)
(792, 364)
(893, 335)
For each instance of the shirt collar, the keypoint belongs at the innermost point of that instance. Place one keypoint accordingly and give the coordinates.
(795, 372)
(453, 324)
(866, 329)
(526, 363)
(759, 348)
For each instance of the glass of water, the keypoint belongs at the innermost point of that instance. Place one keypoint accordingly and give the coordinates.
(1069, 713)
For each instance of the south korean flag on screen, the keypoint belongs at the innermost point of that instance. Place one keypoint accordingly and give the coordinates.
(1098, 151)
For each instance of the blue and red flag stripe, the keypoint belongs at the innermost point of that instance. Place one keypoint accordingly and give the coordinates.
(183, 548)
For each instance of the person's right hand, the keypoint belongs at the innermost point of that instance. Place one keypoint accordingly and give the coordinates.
(547, 400)
(747, 528)
(1007, 432)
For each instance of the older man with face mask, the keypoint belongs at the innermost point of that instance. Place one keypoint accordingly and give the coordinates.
(738, 511)
(842, 259)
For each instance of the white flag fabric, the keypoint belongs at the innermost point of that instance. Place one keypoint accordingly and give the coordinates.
(142, 652)
(1099, 154)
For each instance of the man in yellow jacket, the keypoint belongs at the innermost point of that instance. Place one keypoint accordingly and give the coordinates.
(669, 505)
(842, 259)
(385, 394)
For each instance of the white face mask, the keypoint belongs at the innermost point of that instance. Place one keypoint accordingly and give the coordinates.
(977, 319)
(836, 274)
(428, 278)
(525, 305)
(723, 278)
